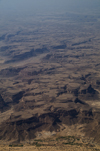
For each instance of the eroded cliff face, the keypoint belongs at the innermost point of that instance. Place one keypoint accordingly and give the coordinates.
(21, 126)
(46, 97)
(50, 75)
(42, 99)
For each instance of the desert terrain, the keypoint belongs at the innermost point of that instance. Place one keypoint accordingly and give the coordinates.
(50, 82)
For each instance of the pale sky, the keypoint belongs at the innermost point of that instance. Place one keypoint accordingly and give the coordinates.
(48, 5)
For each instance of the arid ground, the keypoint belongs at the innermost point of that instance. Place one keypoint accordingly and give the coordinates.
(50, 82)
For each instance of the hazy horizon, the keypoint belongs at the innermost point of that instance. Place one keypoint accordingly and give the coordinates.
(44, 6)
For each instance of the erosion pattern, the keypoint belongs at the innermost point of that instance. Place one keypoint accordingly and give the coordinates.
(50, 77)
